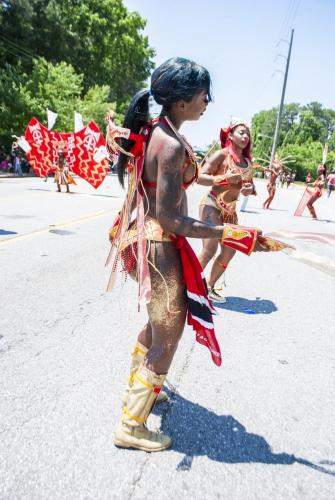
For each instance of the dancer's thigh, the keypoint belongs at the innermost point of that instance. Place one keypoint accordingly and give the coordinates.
(210, 215)
(167, 308)
(312, 199)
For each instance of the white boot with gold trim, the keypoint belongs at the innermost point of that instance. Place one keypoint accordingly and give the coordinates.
(137, 357)
(132, 431)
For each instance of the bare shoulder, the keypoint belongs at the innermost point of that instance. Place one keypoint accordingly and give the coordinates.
(225, 152)
(170, 148)
(218, 156)
(213, 163)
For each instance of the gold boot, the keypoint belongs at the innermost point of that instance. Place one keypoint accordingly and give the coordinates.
(137, 357)
(132, 431)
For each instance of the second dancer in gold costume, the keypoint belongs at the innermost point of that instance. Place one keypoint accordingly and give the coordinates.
(229, 173)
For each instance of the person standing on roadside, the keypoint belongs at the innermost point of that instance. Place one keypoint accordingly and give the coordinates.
(17, 166)
(331, 182)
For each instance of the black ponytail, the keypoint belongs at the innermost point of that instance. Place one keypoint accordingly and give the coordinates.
(136, 116)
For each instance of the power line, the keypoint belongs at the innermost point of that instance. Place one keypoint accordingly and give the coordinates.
(21, 51)
(28, 52)
(15, 54)
(286, 25)
(286, 18)
(294, 15)
(290, 17)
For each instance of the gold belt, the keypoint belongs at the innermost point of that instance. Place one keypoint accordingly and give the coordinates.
(152, 232)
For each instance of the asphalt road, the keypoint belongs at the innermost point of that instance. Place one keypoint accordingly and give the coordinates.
(259, 427)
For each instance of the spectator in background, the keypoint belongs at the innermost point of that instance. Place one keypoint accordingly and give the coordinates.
(308, 178)
(322, 170)
(278, 180)
(283, 179)
(17, 166)
(331, 182)
(24, 165)
(4, 164)
(10, 167)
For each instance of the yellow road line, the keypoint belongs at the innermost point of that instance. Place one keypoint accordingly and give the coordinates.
(66, 223)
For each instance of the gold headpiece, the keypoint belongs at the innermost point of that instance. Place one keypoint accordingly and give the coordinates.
(235, 122)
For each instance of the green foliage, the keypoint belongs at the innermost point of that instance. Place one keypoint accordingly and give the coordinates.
(304, 131)
(50, 86)
(307, 157)
(66, 55)
(13, 108)
(56, 87)
(99, 38)
(95, 105)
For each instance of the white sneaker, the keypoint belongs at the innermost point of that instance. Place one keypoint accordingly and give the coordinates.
(216, 297)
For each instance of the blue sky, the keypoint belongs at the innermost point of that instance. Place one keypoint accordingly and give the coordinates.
(236, 42)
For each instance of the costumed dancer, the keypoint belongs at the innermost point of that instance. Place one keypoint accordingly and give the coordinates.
(318, 185)
(310, 196)
(229, 172)
(275, 171)
(148, 237)
(62, 172)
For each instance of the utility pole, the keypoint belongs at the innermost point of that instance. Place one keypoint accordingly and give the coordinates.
(276, 136)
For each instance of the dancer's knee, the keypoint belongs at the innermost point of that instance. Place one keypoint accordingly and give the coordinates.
(225, 255)
(162, 351)
(206, 255)
(145, 336)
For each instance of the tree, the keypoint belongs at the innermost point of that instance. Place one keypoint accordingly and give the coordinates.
(50, 86)
(304, 131)
(99, 38)
(13, 108)
(95, 104)
(57, 87)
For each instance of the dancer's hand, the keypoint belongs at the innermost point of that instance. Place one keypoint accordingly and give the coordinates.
(220, 180)
(234, 178)
(247, 189)
(258, 246)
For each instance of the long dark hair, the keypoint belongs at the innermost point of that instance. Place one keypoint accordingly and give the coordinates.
(175, 80)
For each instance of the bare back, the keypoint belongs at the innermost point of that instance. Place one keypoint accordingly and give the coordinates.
(161, 143)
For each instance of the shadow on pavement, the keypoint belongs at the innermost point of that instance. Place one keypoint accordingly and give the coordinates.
(3, 232)
(316, 220)
(246, 306)
(14, 216)
(62, 232)
(197, 431)
(276, 209)
(249, 212)
(76, 192)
